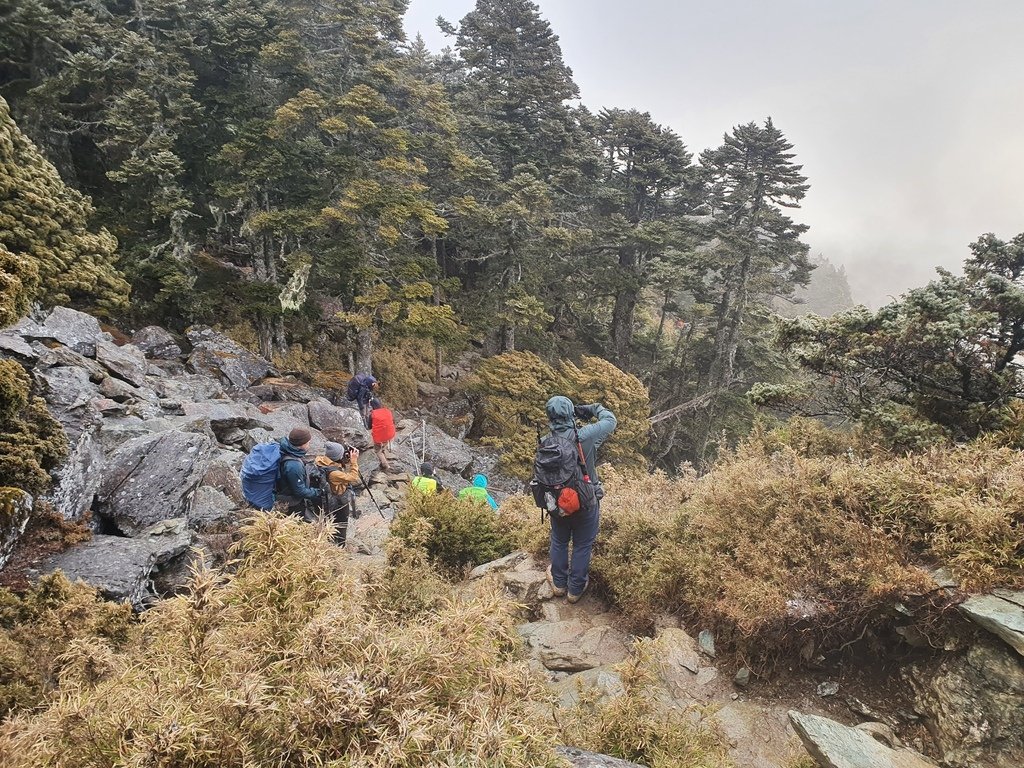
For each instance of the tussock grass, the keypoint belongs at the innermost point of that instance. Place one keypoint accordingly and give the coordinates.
(780, 551)
(287, 660)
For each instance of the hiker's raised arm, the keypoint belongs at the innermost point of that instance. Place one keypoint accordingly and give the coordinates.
(605, 425)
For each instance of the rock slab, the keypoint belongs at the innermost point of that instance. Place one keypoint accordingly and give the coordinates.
(156, 343)
(121, 568)
(835, 745)
(152, 478)
(580, 758)
(1001, 613)
(216, 354)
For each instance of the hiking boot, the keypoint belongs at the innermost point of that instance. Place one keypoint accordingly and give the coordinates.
(576, 598)
(559, 591)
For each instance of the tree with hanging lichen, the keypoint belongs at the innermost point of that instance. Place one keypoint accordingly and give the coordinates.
(48, 252)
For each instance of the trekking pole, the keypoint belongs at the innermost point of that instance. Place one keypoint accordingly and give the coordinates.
(370, 494)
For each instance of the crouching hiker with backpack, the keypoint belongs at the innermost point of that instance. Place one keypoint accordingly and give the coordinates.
(277, 473)
(566, 486)
(341, 467)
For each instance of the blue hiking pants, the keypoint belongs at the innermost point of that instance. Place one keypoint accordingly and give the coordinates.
(581, 530)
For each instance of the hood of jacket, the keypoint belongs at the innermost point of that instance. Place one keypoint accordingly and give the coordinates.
(324, 461)
(560, 412)
(480, 481)
(288, 449)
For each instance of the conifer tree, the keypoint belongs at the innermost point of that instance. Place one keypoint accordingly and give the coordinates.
(648, 186)
(48, 252)
(513, 100)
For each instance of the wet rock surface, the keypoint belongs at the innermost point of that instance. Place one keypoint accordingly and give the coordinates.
(973, 705)
(15, 510)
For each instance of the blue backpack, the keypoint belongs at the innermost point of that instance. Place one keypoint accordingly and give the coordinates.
(260, 472)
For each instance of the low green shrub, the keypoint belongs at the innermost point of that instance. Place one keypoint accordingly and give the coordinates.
(455, 534)
(284, 661)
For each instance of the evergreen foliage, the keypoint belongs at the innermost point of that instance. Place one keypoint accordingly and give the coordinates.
(31, 440)
(513, 387)
(939, 363)
(47, 251)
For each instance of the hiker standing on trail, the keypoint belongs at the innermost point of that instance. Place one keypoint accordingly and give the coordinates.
(478, 492)
(341, 467)
(425, 482)
(382, 427)
(295, 486)
(361, 389)
(578, 525)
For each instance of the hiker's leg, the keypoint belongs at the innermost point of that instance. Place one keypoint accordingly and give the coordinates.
(559, 552)
(382, 458)
(584, 533)
(341, 511)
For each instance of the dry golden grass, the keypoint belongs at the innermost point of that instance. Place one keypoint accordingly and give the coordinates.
(285, 661)
(775, 549)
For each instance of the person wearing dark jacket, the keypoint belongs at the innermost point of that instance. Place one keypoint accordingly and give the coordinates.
(295, 488)
(580, 528)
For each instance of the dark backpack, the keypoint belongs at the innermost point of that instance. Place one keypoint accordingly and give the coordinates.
(357, 384)
(561, 484)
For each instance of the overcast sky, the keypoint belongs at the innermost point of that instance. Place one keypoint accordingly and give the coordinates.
(908, 115)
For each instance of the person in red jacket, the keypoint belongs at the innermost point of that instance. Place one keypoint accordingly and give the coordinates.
(382, 427)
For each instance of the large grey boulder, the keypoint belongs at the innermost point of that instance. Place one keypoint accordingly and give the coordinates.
(189, 387)
(835, 745)
(125, 362)
(15, 510)
(580, 758)
(115, 431)
(1001, 613)
(216, 354)
(974, 705)
(440, 449)
(223, 475)
(339, 424)
(69, 327)
(156, 343)
(211, 508)
(76, 481)
(69, 394)
(121, 568)
(152, 478)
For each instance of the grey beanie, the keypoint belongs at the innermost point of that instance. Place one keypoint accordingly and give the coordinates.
(334, 451)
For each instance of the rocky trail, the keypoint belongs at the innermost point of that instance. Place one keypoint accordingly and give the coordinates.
(157, 435)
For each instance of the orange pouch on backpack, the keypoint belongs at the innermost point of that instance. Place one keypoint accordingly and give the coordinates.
(568, 501)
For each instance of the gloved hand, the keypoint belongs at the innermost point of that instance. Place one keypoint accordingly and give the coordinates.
(583, 412)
